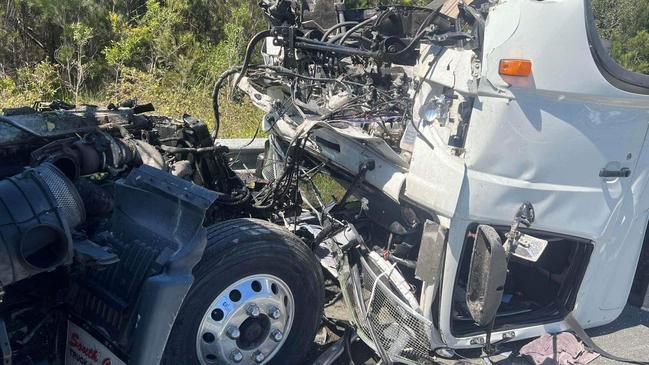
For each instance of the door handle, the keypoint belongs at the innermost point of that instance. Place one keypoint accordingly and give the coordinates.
(623, 172)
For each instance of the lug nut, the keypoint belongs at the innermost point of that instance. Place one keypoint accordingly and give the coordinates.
(236, 356)
(259, 357)
(253, 310)
(233, 332)
(277, 335)
(274, 313)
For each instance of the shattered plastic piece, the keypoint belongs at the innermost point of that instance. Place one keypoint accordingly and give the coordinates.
(563, 348)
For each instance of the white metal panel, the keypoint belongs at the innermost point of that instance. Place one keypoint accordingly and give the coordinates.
(544, 139)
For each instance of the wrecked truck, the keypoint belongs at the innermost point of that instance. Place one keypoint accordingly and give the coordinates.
(127, 238)
(494, 191)
(496, 158)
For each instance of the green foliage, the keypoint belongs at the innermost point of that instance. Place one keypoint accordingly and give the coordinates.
(633, 52)
(122, 49)
(7, 87)
(166, 52)
(71, 55)
(41, 81)
(625, 24)
(32, 83)
(170, 52)
(231, 49)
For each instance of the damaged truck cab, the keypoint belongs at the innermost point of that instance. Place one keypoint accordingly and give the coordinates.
(494, 166)
(568, 137)
(517, 114)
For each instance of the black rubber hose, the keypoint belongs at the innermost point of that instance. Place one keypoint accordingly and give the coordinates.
(251, 48)
(339, 36)
(224, 76)
(215, 97)
(333, 28)
(405, 262)
(236, 198)
(356, 27)
(420, 33)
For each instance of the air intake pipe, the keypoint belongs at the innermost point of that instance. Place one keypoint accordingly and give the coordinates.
(38, 208)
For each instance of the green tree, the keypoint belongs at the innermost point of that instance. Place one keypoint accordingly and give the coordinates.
(633, 52)
(72, 56)
(625, 24)
(38, 82)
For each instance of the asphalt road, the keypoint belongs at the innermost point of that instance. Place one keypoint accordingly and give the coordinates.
(626, 337)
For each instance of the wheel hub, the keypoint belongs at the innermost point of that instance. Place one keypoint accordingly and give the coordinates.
(254, 331)
(247, 323)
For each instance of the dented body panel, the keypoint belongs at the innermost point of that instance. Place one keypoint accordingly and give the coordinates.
(544, 139)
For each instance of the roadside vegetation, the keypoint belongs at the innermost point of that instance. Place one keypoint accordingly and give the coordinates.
(170, 52)
(625, 25)
(87, 51)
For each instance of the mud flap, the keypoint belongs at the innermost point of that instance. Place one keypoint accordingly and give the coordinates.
(82, 348)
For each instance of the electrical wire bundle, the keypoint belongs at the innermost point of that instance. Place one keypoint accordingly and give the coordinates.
(341, 76)
(283, 191)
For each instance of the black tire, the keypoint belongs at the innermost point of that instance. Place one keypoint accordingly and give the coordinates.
(239, 248)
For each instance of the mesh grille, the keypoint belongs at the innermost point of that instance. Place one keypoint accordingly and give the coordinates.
(403, 333)
(66, 195)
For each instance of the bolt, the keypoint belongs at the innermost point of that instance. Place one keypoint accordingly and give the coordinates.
(253, 310)
(236, 356)
(259, 357)
(277, 335)
(274, 313)
(233, 332)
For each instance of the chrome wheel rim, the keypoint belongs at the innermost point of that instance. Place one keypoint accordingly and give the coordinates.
(247, 323)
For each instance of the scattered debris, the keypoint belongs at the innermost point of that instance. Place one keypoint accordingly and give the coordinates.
(560, 349)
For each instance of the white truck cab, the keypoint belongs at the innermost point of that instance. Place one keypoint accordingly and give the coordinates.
(492, 174)
(523, 110)
(568, 137)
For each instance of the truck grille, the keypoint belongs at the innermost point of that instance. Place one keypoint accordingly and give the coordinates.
(403, 333)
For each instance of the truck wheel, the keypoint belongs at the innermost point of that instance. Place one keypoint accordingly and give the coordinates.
(257, 298)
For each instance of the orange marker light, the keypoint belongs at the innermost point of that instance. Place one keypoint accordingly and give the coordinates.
(515, 67)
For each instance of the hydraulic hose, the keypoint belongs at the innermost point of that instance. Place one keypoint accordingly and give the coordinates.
(335, 27)
(215, 96)
(251, 47)
(420, 33)
(357, 27)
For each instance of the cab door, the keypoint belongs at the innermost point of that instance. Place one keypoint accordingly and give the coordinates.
(568, 137)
